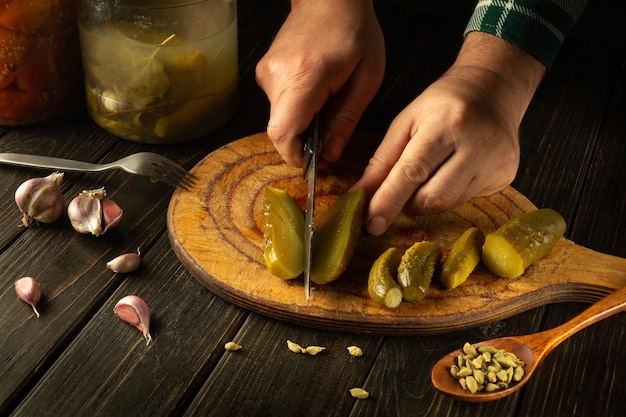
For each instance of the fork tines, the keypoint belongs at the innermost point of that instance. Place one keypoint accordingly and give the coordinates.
(175, 175)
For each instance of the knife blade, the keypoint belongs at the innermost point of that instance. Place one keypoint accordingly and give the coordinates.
(312, 148)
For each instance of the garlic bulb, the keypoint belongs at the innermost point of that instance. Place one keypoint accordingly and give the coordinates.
(91, 212)
(40, 199)
(125, 263)
(134, 311)
(29, 291)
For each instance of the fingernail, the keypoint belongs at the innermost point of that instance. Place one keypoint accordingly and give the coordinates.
(377, 225)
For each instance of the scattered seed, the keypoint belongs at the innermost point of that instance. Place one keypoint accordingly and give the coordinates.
(359, 393)
(355, 351)
(314, 350)
(294, 347)
(232, 346)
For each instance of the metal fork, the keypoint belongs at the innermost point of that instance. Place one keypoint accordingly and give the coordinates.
(148, 164)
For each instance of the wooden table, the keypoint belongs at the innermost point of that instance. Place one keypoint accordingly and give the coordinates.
(79, 360)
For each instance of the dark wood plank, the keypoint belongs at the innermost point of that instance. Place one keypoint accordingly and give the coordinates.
(108, 370)
(71, 269)
(267, 379)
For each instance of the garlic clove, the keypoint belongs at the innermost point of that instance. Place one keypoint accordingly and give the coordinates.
(91, 212)
(125, 263)
(85, 214)
(40, 200)
(134, 311)
(29, 291)
(111, 214)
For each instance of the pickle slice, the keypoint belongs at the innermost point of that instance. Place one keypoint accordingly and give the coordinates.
(283, 232)
(417, 268)
(335, 239)
(463, 258)
(381, 284)
(514, 246)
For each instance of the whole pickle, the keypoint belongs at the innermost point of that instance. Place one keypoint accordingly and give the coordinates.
(514, 246)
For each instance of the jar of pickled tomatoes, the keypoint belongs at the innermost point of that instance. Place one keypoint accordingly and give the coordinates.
(40, 65)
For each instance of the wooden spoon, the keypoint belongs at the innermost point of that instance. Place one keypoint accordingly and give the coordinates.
(531, 349)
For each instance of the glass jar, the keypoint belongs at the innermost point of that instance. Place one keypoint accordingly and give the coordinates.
(160, 71)
(40, 67)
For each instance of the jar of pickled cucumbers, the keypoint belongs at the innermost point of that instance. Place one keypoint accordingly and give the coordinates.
(160, 71)
(40, 67)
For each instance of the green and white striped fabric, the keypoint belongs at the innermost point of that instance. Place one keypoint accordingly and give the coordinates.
(537, 26)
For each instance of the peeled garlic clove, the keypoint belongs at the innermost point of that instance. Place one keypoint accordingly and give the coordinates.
(40, 199)
(29, 290)
(134, 311)
(125, 263)
(91, 212)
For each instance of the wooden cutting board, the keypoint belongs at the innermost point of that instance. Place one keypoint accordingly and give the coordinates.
(216, 230)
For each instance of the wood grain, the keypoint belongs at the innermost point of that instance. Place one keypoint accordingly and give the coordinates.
(216, 231)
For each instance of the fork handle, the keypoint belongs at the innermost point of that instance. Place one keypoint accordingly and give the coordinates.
(47, 162)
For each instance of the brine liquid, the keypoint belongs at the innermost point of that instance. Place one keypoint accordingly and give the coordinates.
(159, 87)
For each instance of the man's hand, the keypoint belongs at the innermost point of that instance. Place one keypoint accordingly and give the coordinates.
(458, 139)
(328, 53)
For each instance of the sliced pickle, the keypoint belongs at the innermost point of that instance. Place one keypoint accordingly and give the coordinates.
(514, 246)
(283, 232)
(463, 258)
(335, 239)
(417, 268)
(381, 284)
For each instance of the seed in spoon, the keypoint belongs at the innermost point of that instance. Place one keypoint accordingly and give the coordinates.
(486, 369)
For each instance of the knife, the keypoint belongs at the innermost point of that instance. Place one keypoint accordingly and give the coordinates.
(312, 148)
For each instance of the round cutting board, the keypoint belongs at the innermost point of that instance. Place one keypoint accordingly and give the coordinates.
(216, 230)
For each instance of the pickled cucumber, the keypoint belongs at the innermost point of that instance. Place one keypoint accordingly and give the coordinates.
(463, 258)
(283, 234)
(335, 238)
(381, 284)
(514, 246)
(417, 268)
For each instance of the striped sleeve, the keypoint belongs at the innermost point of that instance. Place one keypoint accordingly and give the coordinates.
(537, 26)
